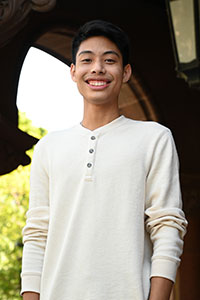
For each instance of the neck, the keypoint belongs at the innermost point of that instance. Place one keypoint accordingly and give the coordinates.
(95, 116)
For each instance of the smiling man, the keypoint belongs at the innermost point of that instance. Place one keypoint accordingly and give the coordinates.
(99, 72)
(105, 220)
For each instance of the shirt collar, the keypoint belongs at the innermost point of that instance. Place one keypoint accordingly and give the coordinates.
(100, 130)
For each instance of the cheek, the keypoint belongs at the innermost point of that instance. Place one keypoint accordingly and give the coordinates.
(81, 70)
(117, 73)
(80, 87)
(118, 77)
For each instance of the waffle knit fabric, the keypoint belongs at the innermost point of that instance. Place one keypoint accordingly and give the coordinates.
(105, 212)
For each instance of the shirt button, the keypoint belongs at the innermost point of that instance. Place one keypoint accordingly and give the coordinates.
(93, 137)
(89, 165)
(91, 150)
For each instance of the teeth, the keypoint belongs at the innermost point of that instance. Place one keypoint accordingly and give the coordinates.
(97, 83)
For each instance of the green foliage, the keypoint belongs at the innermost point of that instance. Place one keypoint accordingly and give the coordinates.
(14, 193)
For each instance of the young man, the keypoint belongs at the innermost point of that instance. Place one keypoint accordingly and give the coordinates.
(105, 219)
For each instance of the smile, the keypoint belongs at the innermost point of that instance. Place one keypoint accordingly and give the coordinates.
(97, 84)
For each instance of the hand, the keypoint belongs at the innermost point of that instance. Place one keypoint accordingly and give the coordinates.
(160, 288)
(31, 296)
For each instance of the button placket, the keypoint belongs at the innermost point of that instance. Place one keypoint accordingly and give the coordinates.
(91, 156)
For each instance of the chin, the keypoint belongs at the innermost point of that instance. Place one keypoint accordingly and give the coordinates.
(97, 100)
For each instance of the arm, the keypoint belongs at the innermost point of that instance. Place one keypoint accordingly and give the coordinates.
(36, 229)
(165, 220)
(31, 296)
(160, 288)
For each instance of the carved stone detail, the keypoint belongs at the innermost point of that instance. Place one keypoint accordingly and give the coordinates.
(13, 10)
(43, 5)
(13, 15)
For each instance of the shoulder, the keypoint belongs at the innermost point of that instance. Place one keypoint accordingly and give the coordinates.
(51, 139)
(156, 140)
(147, 128)
(154, 136)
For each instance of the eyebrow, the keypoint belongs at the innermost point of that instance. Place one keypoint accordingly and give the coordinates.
(105, 53)
(111, 52)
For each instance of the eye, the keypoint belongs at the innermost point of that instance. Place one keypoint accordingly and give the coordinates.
(86, 60)
(110, 60)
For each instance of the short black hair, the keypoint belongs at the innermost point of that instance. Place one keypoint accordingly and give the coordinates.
(106, 29)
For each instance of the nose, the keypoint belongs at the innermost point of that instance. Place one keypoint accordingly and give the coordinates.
(97, 67)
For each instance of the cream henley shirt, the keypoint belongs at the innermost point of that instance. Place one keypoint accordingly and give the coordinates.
(105, 212)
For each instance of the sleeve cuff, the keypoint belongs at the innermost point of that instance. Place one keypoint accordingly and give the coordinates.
(30, 283)
(164, 268)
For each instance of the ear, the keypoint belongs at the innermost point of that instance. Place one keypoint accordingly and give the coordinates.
(73, 72)
(127, 73)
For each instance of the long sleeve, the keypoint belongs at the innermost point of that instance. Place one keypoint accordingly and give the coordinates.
(36, 228)
(85, 239)
(165, 220)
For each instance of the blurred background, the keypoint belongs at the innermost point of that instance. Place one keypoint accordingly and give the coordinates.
(37, 96)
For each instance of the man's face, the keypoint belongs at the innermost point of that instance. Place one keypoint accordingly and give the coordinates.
(99, 71)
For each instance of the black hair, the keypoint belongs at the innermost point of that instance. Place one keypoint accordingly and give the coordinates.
(106, 29)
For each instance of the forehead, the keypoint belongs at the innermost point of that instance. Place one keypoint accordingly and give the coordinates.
(98, 45)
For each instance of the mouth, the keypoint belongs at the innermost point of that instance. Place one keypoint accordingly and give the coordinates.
(98, 83)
